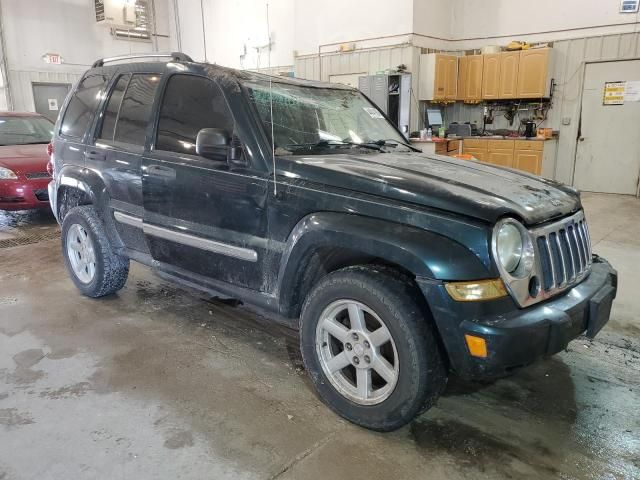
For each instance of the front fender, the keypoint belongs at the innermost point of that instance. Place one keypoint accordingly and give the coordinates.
(421, 252)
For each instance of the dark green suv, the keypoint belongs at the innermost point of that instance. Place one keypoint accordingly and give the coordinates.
(302, 199)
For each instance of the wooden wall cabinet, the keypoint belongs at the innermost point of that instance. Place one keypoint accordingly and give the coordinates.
(509, 64)
(438, 77)
(534, 74)
(472, 78)
(491, 76)
(463, 66)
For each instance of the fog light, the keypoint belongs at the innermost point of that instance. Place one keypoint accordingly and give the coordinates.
(477, 345)
(478, 290)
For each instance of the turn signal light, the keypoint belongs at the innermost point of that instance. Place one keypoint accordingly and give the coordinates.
(50, 148)
(477, 290)
(477, 345)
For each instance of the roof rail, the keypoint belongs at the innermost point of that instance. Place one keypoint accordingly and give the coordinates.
(174, 56)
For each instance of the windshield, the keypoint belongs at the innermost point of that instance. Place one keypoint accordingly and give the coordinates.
(310, 120)
(25, 130)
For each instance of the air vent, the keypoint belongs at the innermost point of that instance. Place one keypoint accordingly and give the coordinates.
(629, 6)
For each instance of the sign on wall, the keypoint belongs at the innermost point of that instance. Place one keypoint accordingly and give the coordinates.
(616, 93)
(53, 58)
(613, 93)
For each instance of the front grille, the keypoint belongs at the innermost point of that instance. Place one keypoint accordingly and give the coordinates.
(42, 194)
(36, 175)
(564, 251)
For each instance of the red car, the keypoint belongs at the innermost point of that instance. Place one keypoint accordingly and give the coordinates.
(23, 160)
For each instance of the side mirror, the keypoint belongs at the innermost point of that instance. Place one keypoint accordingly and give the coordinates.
(213, 143)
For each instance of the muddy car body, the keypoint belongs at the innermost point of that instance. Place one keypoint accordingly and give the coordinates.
(398, 267)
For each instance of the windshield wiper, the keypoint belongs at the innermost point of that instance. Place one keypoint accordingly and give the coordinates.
(385, 142)
(332, 143)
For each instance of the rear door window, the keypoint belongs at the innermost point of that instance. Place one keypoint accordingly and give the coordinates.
(82, 106)
(190, 104)
(135, 109)
(113, 107)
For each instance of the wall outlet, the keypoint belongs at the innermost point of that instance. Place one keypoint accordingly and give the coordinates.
(566, 120)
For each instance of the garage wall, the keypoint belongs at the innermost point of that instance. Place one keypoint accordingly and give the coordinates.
(235, 32)
(478, 23)
(68, 28)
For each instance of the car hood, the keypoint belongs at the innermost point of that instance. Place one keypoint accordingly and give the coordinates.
(466, 187)
(24, 158)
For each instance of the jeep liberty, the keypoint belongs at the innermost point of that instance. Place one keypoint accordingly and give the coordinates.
(302, 199)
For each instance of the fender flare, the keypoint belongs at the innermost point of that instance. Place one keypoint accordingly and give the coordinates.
(425, 254)
(93, 186)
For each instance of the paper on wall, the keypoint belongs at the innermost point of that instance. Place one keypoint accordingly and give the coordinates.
(632, 91)
(373, 113)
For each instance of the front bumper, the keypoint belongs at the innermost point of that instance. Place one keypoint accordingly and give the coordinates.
(516, 337)
(24, 194)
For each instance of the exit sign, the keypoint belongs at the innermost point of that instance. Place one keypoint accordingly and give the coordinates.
(53, 58)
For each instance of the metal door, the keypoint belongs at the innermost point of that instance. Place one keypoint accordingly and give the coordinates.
(49, 97)
(380, 92)
(201, 216)
(608, 153)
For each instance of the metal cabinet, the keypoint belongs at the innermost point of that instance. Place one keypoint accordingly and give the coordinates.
(392, 94)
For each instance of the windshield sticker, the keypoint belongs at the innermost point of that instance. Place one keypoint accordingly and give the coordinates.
(373, 113)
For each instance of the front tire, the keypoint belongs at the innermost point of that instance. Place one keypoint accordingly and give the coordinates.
(370, 348)
(92, 264)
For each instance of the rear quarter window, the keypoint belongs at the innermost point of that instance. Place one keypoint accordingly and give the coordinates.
(82, 106)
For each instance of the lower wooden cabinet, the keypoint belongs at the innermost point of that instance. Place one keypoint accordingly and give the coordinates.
(528, 160)
(477, 153)
(504, 158)
(526, 155)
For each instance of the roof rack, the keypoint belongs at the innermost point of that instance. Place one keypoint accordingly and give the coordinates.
(174, 56)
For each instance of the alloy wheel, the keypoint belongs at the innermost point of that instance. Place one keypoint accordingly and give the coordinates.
(357, 352)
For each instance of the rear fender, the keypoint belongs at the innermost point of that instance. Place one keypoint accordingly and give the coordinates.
(95, 192)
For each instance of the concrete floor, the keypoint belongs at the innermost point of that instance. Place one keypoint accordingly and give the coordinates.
(157, 382)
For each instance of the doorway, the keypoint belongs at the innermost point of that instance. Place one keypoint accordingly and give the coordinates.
(608, 152)
(48, 98)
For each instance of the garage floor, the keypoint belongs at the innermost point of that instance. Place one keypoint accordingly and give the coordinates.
(157, 382)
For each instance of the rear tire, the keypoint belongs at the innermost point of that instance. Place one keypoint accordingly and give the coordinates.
(407, 373)
(92, 264)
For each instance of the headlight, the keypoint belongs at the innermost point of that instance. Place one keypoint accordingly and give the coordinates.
(509, 246)
(6, 174)
(512, 248)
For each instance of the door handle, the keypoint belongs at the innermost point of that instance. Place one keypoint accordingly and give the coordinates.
(95, 155)
(160, 171)
(581, 139)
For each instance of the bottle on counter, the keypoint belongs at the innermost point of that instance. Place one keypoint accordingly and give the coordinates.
(441, 132)
(429, 135)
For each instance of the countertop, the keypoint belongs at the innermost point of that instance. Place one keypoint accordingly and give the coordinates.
(480, 137)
